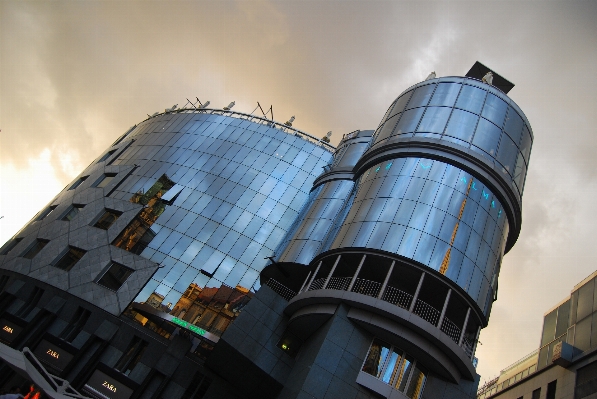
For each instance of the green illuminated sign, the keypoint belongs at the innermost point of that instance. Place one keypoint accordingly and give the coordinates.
(189, 326)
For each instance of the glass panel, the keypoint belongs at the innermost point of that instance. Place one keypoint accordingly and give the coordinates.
(389, 370)
(107, 219)
(401, 103)
(138, 234)
(585, 301)
(487, 137)
(434, 120)
(103, 181)
(37, 246)
(409, 121)
(471, 99)
(417, 383)
(462, 125)
(549, 326)
(507, 153)
(403, 372)
(376, 358)
(526, 142)
(69, 259)
(445, 94)
(421, 96)
(494, 109)
(514, 125)
(115, 276)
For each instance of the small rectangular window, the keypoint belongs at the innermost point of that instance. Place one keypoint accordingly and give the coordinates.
(115, 275)
(131, 356)
(68, 259)
(289, 344)
(71, 212)
(75, 325)
(106, 156)
(34, 248)
(46, 212)
(30, 304)
(536, 394)
(107, 219)
(78, 182)
(551, 390)
(9, 247)
(104, 180)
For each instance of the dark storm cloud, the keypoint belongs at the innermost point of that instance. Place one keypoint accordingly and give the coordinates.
(75, 75)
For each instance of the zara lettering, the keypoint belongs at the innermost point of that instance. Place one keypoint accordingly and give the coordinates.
(109, 386)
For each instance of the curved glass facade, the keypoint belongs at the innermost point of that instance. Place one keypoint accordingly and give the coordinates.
(467, 113)
(199, 198)
(431, 212)
(242, 185)
(314, 223)
(305, 239)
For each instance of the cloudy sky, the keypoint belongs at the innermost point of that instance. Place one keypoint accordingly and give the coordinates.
(75, 75)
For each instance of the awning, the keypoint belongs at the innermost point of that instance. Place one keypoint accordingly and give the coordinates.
(25, 363)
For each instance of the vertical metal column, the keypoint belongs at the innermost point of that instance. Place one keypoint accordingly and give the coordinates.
(327, 280)
(385, 282)
(468, 313)
(416, 296)
(313, 277)
(354, 278)
(441, 317)
(476, 341)
(305, 282)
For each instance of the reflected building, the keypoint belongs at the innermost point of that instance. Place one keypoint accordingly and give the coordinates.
(213, 254)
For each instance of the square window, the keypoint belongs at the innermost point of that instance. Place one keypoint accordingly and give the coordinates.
(104, 180)
(106, 156)
(34, 248)
(115, 275)
(78, 182)
(107, 219)
(71, 212)
(46, 212)
(69, 258)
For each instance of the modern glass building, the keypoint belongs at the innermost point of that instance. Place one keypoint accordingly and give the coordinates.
(213, 254)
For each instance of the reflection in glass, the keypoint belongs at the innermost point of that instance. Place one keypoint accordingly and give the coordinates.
(115, 276)
(494, 109)
(138, 234)
(69, 259)
(434, 120)
(445, 94)
(471, 99)
(409, 121)
(396, 368)
(376, 358)
(107, 219)
(462, 125)
(34, 249)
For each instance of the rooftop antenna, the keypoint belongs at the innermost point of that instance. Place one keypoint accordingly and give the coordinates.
(189, 101)
(229, 106)
(205, 105)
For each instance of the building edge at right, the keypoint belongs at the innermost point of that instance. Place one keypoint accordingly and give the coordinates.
(565, 364)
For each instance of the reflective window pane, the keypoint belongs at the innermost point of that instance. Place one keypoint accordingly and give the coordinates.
(434, 120)
(462, 125)
(471, 99)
